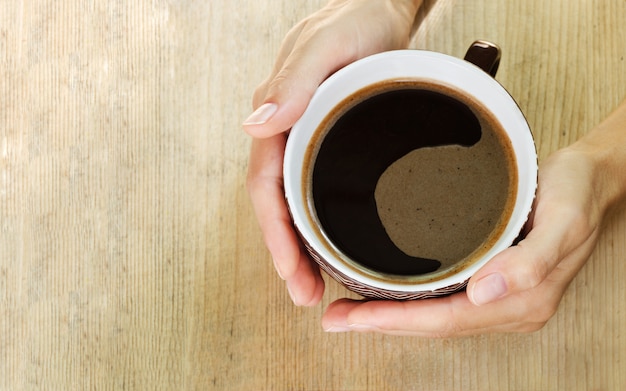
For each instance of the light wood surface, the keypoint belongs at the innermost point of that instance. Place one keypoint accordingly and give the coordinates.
(130, 258)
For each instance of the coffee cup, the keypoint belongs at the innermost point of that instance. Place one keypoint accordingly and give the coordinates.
(409, 170)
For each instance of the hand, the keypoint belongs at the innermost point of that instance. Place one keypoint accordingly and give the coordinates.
(338, 34)
(520, 288)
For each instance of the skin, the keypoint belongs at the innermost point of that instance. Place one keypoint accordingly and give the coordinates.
(519, 289)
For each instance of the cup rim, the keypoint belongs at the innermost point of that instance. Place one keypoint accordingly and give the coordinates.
(420, 65)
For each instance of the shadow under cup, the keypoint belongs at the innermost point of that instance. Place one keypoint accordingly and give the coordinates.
(400, 181)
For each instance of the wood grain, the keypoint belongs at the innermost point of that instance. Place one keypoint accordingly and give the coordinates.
(130, 258)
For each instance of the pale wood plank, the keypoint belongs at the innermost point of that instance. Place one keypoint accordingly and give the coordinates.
(129, 254)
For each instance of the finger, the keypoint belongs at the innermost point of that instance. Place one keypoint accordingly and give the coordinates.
(265, 187)
(306, 286)
(335, 318)
(433, 318)
(451, 316)
(304, 281)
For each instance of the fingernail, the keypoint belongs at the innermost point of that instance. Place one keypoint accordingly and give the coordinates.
(361, 327)
(293, 296)
(337, 329)
(350, 327)
(262, 114)
(488, 289)
(280, 273)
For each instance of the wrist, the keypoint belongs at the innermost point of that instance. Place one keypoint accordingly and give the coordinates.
(605, 149)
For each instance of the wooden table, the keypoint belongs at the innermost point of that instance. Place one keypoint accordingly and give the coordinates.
(130, 258)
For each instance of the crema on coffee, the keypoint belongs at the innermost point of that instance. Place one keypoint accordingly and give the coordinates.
(409, 177)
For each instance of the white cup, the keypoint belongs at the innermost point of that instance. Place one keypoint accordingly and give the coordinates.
(473, 76)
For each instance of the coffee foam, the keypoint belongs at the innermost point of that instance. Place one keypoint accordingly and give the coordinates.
(401, 178)
(446, 202)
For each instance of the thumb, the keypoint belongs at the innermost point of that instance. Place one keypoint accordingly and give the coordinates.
(287, 97)
(528, 264)
(515, 269)
(286, 94)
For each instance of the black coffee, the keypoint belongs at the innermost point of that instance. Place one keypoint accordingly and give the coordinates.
(411, 177)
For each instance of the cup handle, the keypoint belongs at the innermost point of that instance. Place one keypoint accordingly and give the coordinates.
(485, 55)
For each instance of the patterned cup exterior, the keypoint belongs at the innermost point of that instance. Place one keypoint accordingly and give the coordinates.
(372, 292)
